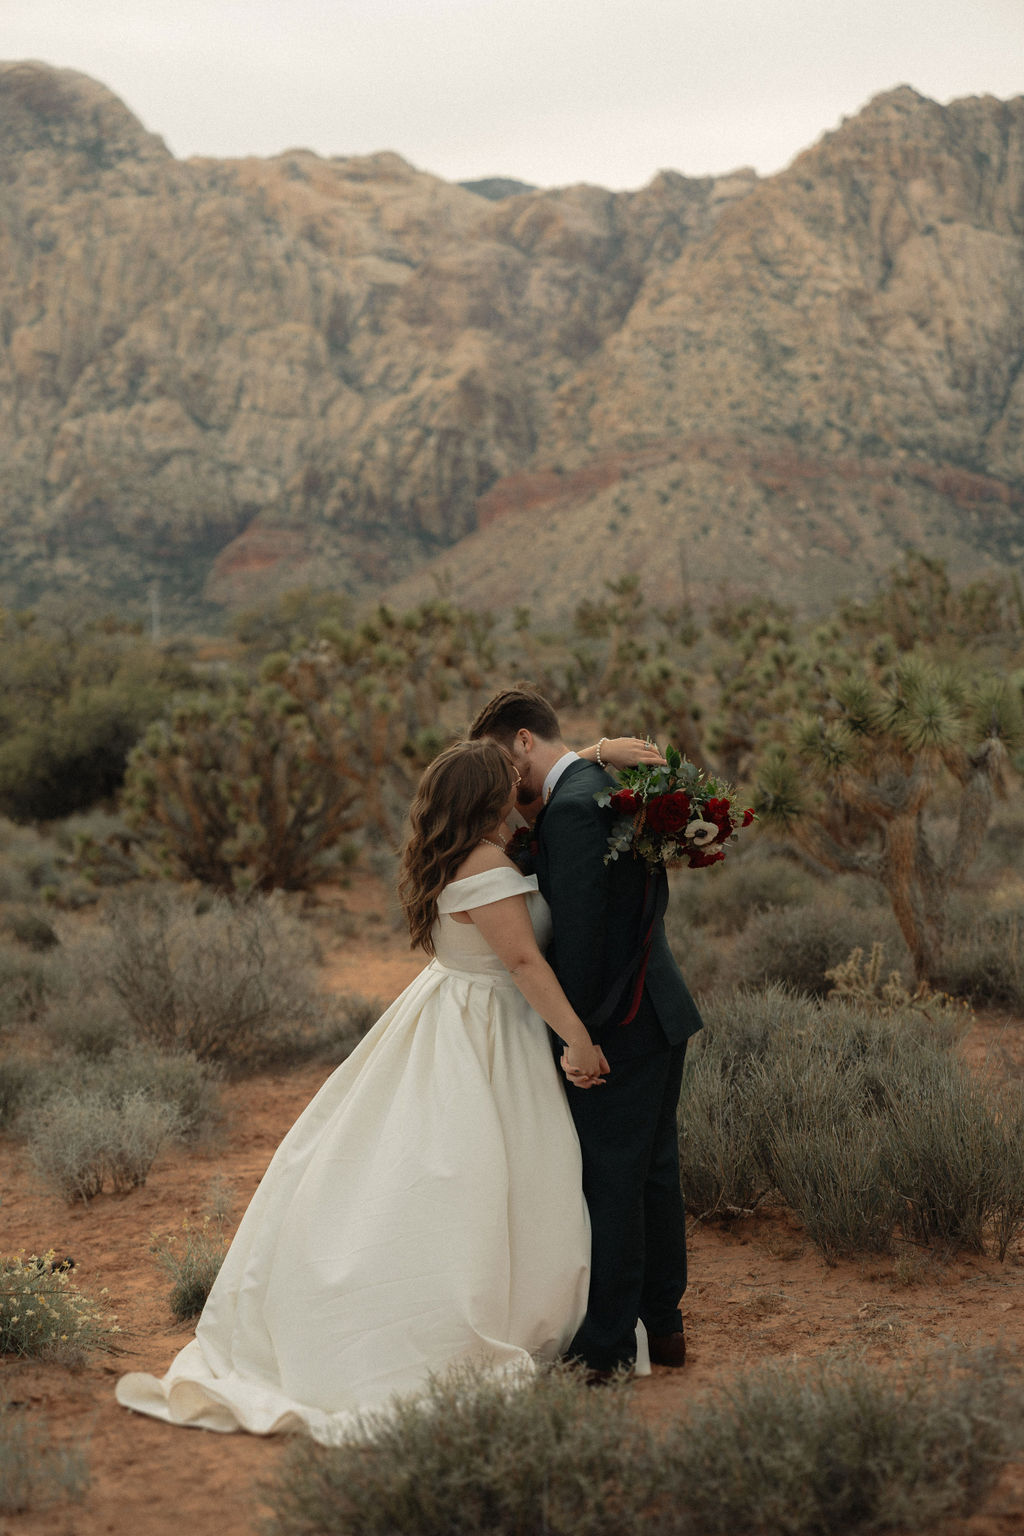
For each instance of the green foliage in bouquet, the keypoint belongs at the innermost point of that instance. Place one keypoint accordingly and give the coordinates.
(672, 812)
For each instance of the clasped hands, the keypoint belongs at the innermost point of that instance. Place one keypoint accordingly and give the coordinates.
(585, 1067)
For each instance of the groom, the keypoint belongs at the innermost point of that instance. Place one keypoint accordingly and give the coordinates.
(634, 1000)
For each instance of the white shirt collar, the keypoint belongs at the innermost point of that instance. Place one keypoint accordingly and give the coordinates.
(555, 772)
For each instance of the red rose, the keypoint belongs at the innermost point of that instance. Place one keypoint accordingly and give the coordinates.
(700, 860)
(748, 816)
(669, 813)
(716, 810)
(624, 801)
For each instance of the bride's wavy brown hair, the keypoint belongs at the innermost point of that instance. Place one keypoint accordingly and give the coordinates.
(460, 796)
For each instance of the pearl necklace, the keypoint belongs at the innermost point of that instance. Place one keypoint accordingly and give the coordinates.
(500, 846)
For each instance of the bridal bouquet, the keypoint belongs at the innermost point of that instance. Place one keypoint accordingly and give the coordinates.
(670, 813)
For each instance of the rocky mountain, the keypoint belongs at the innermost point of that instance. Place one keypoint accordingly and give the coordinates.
(232, 377)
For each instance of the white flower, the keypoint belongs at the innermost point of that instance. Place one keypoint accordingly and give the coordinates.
(701, 832)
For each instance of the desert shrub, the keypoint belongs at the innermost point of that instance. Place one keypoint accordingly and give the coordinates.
(1003, 848)
(175, 1078)
(811, 1126)
(19, 1081)
(81, 1142)
(472, 1455)
(748, 1024)
(860, 1120)
(954, 1151)
(43, 1314)
(837, 1447)
(29, 862)
(27, 977)
(33, 1471)
(798, 945)
(231, 984)
(721, 1164)
(340, 1024)
(192, 1263)
(75, 697)
(29, 927)
(830, 1176)
(983, 960)
(725, 898)
(843, 1448)
(86, 1023)
(696, 955)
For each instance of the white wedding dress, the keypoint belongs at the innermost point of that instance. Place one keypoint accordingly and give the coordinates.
(424, 1211)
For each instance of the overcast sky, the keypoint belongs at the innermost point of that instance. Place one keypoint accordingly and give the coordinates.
(549, 91)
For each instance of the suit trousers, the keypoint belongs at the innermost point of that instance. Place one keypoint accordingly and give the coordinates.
(627, 1130)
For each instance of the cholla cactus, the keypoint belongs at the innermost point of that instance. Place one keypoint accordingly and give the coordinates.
(857, 788)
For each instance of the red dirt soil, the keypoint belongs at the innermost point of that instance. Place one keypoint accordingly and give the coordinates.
(758, 1291)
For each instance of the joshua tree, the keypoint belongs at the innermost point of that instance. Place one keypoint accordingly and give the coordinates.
(856, 790)
(252, 788)
(628, 662)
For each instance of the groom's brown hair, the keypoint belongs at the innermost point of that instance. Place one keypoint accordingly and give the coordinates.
(515, 709)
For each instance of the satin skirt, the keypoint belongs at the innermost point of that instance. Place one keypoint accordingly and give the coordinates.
(425, 1211)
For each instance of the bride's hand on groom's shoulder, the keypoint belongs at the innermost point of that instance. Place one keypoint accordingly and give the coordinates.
(629, 752)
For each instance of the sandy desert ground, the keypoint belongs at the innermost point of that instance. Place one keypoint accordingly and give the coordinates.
(758, 1291)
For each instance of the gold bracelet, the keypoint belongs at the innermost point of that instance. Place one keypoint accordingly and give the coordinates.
(597, 753)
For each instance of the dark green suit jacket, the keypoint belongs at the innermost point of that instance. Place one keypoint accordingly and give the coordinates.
(596, 913)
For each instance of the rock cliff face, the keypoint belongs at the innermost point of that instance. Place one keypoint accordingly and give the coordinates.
(236, 376)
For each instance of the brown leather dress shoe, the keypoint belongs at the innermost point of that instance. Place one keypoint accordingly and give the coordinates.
(667, 1348)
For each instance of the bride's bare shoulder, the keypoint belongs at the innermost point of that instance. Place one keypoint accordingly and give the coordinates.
(481, 858)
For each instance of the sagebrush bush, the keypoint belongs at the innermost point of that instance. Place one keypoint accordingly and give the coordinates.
(28, 862)
(861, 1121)
(722, 1167)
(1003, 848)
(34, 1472)
(798, 945)
(29, 926)
(192, 1263)
(473, 1455)
(837, 1447)
(232, 984)
(844, 1448)
(830, 1175)
(43, 1314)
(176, 1078)
(85, 1023)
(80, 1143)
(983, 959)
(27, 978)
(954, 1150)
(19, 1078)
(725, 898)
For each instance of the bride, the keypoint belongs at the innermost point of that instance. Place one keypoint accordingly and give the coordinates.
(426, 1209)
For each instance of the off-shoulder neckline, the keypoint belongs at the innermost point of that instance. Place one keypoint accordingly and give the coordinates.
(498, 869)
